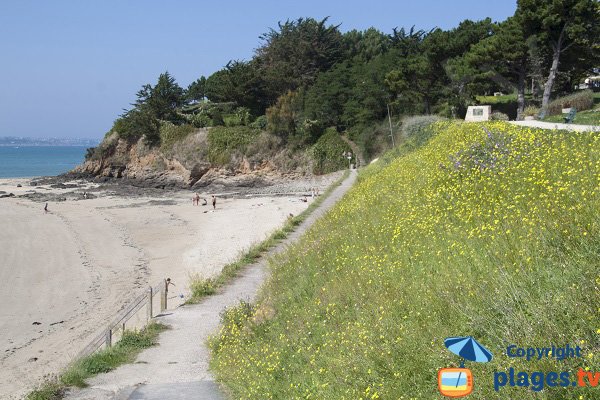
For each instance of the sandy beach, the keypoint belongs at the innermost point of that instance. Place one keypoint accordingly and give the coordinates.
(67, 272)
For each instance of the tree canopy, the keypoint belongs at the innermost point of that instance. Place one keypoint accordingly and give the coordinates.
(307, 75)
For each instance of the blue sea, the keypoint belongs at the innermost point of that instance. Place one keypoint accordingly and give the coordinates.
(32, 161)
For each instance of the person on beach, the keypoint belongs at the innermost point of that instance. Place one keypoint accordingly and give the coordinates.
(214, 202)
(46, 208)
(196, 200)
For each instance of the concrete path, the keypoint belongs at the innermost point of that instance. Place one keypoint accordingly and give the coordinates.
(556, 125)
(178, 367)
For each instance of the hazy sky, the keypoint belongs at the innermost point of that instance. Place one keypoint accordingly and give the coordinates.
(68, 68)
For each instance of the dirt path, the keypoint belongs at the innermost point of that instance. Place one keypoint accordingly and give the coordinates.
(178, 367)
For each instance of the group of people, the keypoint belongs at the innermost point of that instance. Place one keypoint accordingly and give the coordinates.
(196, 201)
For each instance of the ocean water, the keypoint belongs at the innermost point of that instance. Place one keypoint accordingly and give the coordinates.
(32, 161)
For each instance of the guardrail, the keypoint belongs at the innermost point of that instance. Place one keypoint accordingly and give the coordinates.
(117, 326)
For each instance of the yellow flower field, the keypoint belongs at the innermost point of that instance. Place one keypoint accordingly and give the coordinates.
(489, 230)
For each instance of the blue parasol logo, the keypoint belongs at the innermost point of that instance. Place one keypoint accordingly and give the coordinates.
(458, 382)
(468, 348)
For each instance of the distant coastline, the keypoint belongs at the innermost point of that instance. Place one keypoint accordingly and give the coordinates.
(13, 141)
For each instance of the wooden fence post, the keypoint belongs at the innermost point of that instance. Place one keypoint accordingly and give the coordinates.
(108, 339)
(163, 297)
(149, 304)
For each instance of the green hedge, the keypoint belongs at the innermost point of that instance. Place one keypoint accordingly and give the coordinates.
(580, 100)
(328, 152)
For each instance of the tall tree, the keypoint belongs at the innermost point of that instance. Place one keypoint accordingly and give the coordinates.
(239, 82)
(293, 55)
(163, 99)
(196, 91)
(561, 25)
(423, 76)
(504, 57)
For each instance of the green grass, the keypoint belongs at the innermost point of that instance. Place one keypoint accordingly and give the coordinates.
(123, 352)
(202, 287)
(590, 117)
(490, 230)
(506, 98)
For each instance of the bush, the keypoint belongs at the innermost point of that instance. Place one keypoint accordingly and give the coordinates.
(374, 139)
(201, 120)
(580, 100)
(498, 116)
(328, 152)
(171, 134)
(282, 117)
(232, 120)
(531, 111)
(260, 123)
(418, 128)
(104, 149)
(224, 141)
(89, 153)
(202, 287)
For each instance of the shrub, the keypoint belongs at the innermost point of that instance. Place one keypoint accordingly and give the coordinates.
(328, 152)
(374, 139)
(104, 149)
(531, 111)
(201, 120)
(311, 130)
(223, 141)
(580, 100)
(232, 120)
(282, 117)
(202, 287)
(260, 123)
(499, 116)
(89, 153)
(171, 134)
(417, 128)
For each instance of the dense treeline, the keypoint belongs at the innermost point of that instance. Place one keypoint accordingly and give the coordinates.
(307, 75)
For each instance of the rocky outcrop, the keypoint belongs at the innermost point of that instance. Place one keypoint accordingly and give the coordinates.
(137, 164)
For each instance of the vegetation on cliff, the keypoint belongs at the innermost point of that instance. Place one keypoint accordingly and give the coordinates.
(307, 76)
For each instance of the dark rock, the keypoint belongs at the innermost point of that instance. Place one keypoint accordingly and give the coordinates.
(7, 195)
(198, 171)
(19, 185)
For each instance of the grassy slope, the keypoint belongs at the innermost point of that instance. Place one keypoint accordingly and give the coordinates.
(428, 246)
(123, 352)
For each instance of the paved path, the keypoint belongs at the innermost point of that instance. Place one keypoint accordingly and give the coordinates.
(178, 367)
(556, 125)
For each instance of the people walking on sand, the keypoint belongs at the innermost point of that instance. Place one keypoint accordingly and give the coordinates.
(214, 202)
(46, 208)
(196, 200)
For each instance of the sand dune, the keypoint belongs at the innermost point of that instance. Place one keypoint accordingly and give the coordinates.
(67, 272)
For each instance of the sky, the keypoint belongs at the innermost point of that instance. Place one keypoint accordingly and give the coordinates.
(69, 68)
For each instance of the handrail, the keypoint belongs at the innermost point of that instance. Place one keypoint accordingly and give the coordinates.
(124, 315)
